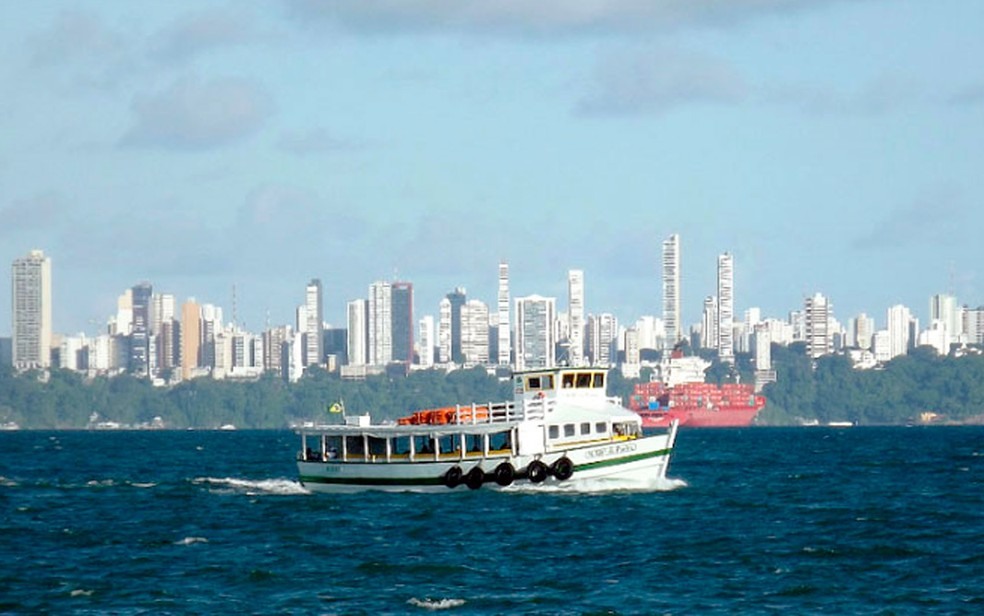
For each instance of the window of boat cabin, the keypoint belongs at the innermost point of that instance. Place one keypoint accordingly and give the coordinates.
(449, 443)
(599, 380)
(377, 446)
(553, 432)
(333, 446)
(401, 446)
(583, 380)
(423, 444)
(568, 381)
(499, 441)
(601, 427)
(473, 442)
(354, 445)
(586, 428)
(539, 382)
(569, 430)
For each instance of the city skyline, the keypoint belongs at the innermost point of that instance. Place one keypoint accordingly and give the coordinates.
(828, 146)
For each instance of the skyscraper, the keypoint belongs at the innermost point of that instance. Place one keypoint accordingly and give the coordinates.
(31, 311)
(380, 323)
(671, 290)
(314, 324)
(944, 308)
(141, 295)
(709, 323)
(403, 323)
(898, 330)
(425, 344)
(503, 306)
(534, 332)
(457, 299)
(575, 316)
(817, 311)
(475, 333)
(358, 354)
(602, 339)
(726, 308)
(444, 331)
(191, 338)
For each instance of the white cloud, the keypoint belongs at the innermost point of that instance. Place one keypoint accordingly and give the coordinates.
(655, 81)
(206, 30)
(316, 140)
(523, 17)
(195, 114)
(41, 212)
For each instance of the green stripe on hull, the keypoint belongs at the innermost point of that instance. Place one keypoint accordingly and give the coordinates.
(623, 460)
(374, 481)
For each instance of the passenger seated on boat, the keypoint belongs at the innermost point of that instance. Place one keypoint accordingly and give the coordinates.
(332, 453)
(310, 455)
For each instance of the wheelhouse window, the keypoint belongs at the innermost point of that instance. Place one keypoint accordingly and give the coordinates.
(539, 382)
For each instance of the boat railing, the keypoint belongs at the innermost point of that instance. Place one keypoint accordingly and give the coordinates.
(501, 412)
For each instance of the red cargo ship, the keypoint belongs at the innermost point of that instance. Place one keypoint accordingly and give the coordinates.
(696, 405)
(679, 392)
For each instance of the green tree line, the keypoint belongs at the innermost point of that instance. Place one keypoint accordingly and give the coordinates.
(825, 389)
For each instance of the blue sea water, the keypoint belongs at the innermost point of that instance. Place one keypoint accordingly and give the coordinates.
(764, 520)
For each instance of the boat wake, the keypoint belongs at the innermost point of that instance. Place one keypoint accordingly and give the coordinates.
(602, 485)
(431, 605)
(233, 485)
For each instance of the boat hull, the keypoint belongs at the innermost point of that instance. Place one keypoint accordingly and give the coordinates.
(629, 464)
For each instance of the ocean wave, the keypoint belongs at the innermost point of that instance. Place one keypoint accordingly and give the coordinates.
(7, 483)
(431, 605)
(286, 487)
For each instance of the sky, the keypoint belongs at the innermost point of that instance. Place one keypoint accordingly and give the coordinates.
(241, 148)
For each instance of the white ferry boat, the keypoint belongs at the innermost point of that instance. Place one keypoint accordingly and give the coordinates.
(560, 429)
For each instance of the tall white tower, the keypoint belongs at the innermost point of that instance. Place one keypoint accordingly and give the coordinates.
(31, 311)
(575, 315)
(817, 312)
(313, 326)
(671, 290)
(898, 330)
(726, 307)
(358, 354)
(503, 309)
(380, 323)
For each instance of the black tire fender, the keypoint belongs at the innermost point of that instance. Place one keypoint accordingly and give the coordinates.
(452, 477)
(563, 469)
(475, 478)
(537, 471)
(504, 474)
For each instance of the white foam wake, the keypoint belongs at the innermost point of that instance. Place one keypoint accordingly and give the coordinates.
(431, 605)
(253, 486)
(191, 540)
(602, 485)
